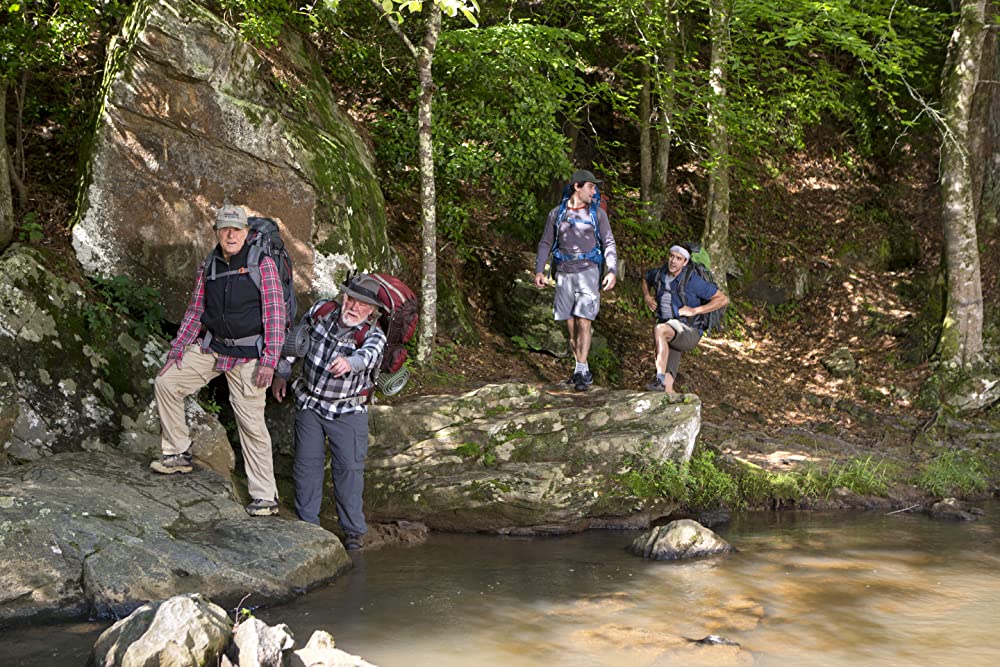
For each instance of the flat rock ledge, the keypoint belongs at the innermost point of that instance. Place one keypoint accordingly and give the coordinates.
(678, 540)
(517, 458)
(98, 534)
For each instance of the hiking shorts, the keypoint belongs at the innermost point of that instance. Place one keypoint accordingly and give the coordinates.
(578, 294)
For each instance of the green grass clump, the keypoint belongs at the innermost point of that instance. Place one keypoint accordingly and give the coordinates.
(710, 486)
(866, 477)
(648, 480)
(953, 473)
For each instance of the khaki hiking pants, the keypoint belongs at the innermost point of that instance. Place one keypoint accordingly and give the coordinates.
(247, 399)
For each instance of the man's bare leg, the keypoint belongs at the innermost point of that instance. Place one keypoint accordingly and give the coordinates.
(584, 333)
(663, 333)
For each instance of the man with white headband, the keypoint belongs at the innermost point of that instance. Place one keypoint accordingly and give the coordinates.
(682, 302)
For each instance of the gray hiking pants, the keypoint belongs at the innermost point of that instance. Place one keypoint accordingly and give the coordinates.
(347, 436)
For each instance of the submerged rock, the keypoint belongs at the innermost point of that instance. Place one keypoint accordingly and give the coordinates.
(679, 539)
(951, 509)
(182, 631)
(89, 533)
(193, 114)
(519, 458)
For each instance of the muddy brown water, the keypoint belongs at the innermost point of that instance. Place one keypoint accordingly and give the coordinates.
(804, 589)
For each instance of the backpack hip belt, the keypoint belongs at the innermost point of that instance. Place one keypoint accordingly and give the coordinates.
(595, 256)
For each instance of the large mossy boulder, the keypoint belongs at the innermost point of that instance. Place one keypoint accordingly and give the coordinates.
(74, 375)
(519, 458)
(78, 370)
(192, 115)
(89, 533)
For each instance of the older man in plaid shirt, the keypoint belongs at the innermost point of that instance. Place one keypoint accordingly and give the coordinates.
(345, 351)
(231, 327)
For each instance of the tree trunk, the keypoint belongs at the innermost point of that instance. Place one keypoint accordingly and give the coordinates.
(428, 196)
(961, 341)
(645, 137)
(6, 197)
(715, 238)
(665, 97)
(985, 125)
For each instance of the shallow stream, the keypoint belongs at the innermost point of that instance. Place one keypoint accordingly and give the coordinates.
(804, 589)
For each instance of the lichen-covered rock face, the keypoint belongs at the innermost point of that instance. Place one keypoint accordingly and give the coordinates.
(9, 410)
(184, 630)
(89, 533)
(77, 376)
(679, 539)
(523, 459)
(524, 313)
(191, 116)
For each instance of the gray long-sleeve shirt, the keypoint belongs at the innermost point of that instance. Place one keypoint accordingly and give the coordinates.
(576, 237)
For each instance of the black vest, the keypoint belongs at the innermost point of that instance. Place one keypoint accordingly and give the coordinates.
(233, 306)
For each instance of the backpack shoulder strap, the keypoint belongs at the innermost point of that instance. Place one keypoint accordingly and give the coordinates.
(253, 265)
(682, 285)
(325, 309)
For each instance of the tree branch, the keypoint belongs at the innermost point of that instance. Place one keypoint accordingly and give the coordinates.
(396, 28)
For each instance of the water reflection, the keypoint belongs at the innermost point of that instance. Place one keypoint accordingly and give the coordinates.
(803, 589)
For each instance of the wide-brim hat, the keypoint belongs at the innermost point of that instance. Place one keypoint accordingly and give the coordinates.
(231, 216)
(363, 288)
(584, 176)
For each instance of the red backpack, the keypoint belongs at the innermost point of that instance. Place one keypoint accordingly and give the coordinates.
(399, 318)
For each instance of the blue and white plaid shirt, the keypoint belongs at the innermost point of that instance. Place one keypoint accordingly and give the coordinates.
(316, 389)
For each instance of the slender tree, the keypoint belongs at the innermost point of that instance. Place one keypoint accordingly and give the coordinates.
(645, 133)
(665, 94)
(423, 55)
(6, 199)
(961, 341)
(715, 238)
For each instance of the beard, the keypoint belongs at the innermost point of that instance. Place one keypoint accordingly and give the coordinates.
(349, 320)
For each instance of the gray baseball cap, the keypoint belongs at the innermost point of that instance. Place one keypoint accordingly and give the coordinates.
(231, 216)
(584, 176)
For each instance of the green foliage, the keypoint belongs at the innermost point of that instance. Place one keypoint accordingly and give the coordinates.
(36, 35)
(30, 231)
(709, 486)
(707, 482)
(866, 477)
(121, 296)
(607, 366)
(953, 473)
(649, 480)
(504, 92)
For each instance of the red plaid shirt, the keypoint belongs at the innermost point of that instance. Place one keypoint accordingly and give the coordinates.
(272, 305)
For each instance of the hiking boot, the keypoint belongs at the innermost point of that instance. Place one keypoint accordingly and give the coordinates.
(354, 542)
(262, 507)
(655, 385)
(580, 381)
(171, 463)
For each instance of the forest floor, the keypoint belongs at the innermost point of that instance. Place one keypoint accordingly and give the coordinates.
(762, 379)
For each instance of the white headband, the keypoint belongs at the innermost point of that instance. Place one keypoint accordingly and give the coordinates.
(681, 251)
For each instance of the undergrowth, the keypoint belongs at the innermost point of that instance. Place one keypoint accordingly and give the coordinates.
(710, 482)
(953, 473)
